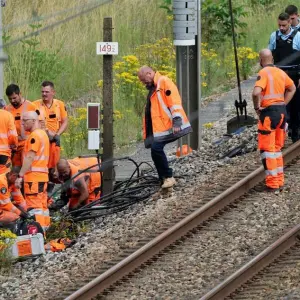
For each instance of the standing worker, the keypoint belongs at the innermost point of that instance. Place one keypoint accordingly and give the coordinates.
(292, 11)
(8, 138)
(165, 120)
(272, 92)
(34, 171)
(54, 119)
(285, 46)
(18, 106)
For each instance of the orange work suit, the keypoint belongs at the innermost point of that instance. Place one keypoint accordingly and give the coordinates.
(272, 123)
(8, 211)
(36, 178)
(92, 179)
(52, 117)
(26, 106)
(8, 140)
(166, 111)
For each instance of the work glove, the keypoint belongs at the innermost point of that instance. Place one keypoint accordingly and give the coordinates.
(56, 139)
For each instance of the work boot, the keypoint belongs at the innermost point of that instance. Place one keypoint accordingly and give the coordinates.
(168, 182)
(271, 190)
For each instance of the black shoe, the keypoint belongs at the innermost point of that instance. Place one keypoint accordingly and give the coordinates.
(271, 190)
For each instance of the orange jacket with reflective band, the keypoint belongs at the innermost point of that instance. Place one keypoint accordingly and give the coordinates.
(52, 115)
(93, 180)
(166, 111)
(5, 194)
(17, 113)
(8, 133)
(37, 142)
(273, 82)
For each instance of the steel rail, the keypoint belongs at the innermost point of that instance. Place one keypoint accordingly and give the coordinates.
(153, 247)
(255, 265)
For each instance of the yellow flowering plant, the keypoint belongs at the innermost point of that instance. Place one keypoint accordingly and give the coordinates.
(7, 239)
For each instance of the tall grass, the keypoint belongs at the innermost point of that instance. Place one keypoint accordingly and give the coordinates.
(66, 54)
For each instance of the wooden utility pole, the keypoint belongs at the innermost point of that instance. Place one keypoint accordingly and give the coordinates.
(108, 174)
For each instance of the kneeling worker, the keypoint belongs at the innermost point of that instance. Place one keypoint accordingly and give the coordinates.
(84, 188)
(272, 92)
(34, 170)
(9, 212)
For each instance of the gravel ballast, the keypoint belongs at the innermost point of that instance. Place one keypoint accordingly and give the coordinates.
(47, 276)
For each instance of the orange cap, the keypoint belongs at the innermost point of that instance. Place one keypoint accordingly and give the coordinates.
(184, 150)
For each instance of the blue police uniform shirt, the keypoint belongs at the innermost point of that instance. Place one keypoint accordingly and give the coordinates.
(296, 40)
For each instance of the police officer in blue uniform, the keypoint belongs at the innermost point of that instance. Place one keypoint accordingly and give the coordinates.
(285, 46)
(292, 11)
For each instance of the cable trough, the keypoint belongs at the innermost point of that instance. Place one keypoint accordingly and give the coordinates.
(152, 249)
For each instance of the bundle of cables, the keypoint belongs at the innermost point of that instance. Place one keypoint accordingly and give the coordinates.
(140, 186)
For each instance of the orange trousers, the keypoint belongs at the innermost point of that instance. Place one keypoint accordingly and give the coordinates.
(36, 201)
(271, 137)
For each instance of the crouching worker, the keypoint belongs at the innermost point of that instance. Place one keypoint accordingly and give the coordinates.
(10, 211)
(84, 188)
(33, 175)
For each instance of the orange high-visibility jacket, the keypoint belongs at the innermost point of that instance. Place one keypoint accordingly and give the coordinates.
(6, 192)
(166, 111)
(273, 82)
(53, 115)
(18, 113)
(37, 142)
(93, 179)
(8, 133)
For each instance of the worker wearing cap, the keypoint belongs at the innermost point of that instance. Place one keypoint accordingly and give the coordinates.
(18, 106)
(272, 92)
(33, 175)
(85, 187)
(285, 46)
(8, 138)
(54, 119)
(9, 211)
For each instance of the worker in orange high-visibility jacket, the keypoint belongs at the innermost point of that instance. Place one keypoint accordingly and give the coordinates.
(34, 171)
(84, 188)
(18, 106)
(54, 119)
(165, 120)
(272, 92)
(8, 138)
(10, 212)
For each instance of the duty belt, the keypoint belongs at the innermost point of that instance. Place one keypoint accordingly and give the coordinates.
(293, 70)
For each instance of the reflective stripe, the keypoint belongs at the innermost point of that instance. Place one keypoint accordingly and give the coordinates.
(185, 125)
(16, 193)
(42, 157)
(280, 170)
(12, 132)
(5, 147)
(172, 108)
(36, 211)
(160, 99)
(273, 155)
(3, 135)
(272, 94)
(162, 133)
(22, 131)
(14, 209)
(5, 201)
(271, 172)
(177, 114)
(46, 213)
(37, 169)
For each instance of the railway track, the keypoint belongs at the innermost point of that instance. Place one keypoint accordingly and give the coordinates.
(272, 274)
(188, 229)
